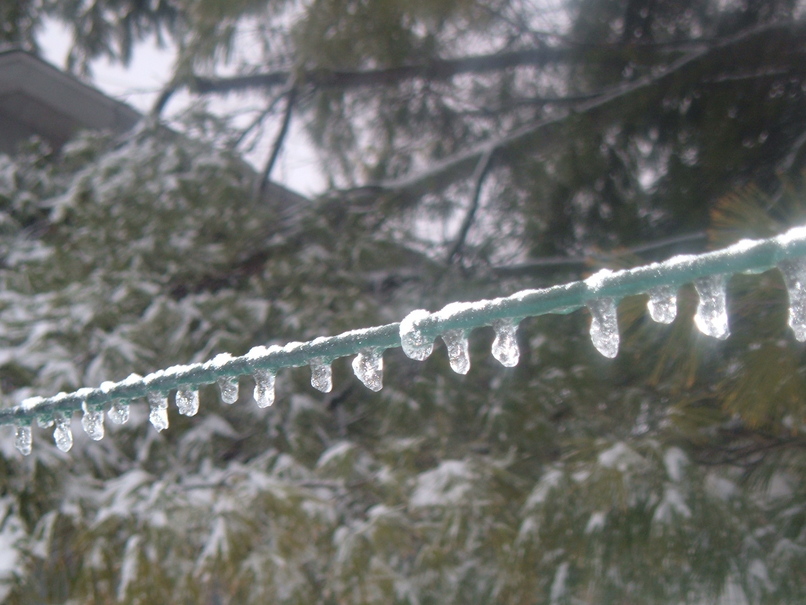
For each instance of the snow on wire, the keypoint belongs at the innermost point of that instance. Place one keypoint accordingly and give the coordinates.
(416, 334)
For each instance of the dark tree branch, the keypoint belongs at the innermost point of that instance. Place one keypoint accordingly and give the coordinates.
(163, 99)
(291, 98)
(543, 135)
(482, 169)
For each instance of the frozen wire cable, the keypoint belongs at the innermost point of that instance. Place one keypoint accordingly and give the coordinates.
(417, 332)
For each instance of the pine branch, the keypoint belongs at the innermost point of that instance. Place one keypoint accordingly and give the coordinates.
(291, 98)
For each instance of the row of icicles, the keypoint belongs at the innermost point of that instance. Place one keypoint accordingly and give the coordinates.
(711, 318)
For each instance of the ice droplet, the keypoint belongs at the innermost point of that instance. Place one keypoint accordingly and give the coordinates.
(505, 345)
(62, 434)
(414, 342)
(794, 272)
(321, 375)
(662, 304)
(264, 388)
(604, 325)
(458, 355)
(43, 422)
(368, 367)
(158, 404)
(119, 412)
(712, 313)
(93, 422)
(23, 439)
(187, 401)
(228, 385)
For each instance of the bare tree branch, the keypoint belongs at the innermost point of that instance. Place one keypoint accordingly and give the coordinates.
(542, 135)
(480, 173)
(291, 98)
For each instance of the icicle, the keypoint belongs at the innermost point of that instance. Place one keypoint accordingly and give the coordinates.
(264, 388)
(712, 313)
(44, 422)
(458, 355)
(415, 344)
(228, 385)
(505, 346)
(794, 272)
(604, 325)
(368, 367)
(187, 400)
(62, 434)
(119, 412)
(158, 416)
(23, 439)
(662, 304)
(321, 375)
(93, 422)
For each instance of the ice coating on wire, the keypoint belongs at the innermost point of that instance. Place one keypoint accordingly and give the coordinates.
(662, 304)
(93, 422)
(368, 367)
(416, 345)
(187, 400)
(158, 410)
(505, 344)
(23, 439)
(458, 354)
(604, 326)
(321, 375)
(712, 311)
(264, 388)
(228, 386)
(63, 434)
(794, 273)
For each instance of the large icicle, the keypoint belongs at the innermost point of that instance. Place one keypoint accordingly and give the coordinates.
(458, 354)
(187, 400)
(62, 434)
(321, 375)
(93, 422)
(712, 311)
(414, 342)
(662, 304)
(368, 367)
(505, 345)
(264, 388)
(228, 386)
(23, 439)
(604, 325)
(794, 272)
(158, 404)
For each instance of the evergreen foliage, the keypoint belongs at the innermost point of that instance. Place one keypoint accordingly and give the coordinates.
(468, 144)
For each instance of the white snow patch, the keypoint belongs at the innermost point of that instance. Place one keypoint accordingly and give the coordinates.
(446, 485)
(596, 522)
(559, 586)
(619, 456)
(675, 459)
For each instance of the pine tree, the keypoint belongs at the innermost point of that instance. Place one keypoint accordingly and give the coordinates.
(473, 149)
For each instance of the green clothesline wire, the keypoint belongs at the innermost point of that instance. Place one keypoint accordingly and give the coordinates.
(753, 256)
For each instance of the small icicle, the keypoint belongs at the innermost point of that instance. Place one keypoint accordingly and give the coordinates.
(662, 304)
(264, 388)
(23, 439)
(43, 422)
(712, 313)
(158, 416)
(93, 422)
(119, 412)
(458, 355)
(414, 342)
(794, 272)
(321, 375)
(505, 345)
(228, 385)
(368, 367)
(62, 434)
(604, 325)
(187, 401)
